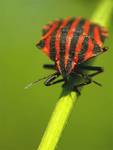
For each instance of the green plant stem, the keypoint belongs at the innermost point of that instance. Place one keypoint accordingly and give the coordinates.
(65, 104)
(57, 121)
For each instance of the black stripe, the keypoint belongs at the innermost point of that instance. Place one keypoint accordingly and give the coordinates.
(102, 37)
(97, 49)
(63, 36)
(40, 44)
(91, 30)
(52, 42)
(77, 33)
(85, 43)
(83, 50)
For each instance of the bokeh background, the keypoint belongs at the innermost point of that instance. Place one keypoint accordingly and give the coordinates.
(24, 113)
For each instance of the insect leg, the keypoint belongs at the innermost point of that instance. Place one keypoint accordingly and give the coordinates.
(88, 77)
(49, 66)
(87, 80)
(50, 81)
(92, 68)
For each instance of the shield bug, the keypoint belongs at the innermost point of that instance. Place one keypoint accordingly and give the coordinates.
(69, 43)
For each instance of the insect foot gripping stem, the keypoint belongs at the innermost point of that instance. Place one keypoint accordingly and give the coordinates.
(105, 49)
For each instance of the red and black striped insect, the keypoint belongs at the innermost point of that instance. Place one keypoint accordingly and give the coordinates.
(70, 43)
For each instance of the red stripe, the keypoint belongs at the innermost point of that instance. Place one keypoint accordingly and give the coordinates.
(97, 36)
(46, 49)
(48, 25)
(57, 41)
(47, 38)
(104, 32)
(79, 47)
(89, 53)
(104, 29)
(77, 50)
(86, 27)
(50, 31)
(69, 38)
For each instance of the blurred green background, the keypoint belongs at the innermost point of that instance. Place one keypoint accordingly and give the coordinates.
(24, 113)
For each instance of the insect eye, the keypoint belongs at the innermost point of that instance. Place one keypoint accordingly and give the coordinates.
(40, 44)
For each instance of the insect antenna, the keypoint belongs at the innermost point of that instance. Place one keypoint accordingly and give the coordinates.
(35, 82)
